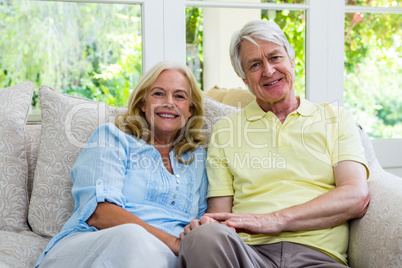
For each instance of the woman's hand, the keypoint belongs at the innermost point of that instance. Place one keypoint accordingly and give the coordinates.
(195, 223)
(174, 244)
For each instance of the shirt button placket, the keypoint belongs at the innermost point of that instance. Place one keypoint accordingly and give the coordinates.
(177, 188)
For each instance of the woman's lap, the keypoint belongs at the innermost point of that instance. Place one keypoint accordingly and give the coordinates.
(121, 246)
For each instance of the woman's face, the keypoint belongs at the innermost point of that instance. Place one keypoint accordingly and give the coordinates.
(167, 104)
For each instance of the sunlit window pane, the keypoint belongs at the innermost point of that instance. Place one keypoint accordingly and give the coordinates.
(374, 3)
(263, 1)
(83, 49)
(373, 72)
(208, 39)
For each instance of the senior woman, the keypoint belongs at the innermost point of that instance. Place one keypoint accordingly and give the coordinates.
(142, 183)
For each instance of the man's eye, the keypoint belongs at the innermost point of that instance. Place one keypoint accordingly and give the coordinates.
(255, 66)
(275, 58)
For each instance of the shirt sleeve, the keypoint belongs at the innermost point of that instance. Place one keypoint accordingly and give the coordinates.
(348, 145)
(99, 172)
(220, 178)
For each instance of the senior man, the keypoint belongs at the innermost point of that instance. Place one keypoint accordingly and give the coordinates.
(284, 173)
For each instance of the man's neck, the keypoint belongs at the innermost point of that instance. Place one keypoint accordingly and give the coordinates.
(282, 108)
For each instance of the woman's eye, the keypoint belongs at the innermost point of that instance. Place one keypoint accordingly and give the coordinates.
(179, 96)
(158, 94)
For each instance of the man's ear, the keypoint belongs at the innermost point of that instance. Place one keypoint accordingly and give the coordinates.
(245, 81)
(292, 62)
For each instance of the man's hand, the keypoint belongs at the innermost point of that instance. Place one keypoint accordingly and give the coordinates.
(268, 224)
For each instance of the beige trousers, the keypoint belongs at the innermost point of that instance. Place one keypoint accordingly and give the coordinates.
(216, 245)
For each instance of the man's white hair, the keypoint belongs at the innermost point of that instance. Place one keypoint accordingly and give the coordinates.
(257, 29)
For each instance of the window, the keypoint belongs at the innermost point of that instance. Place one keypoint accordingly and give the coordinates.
(373, 67)
(376, 3)
(330, 66)
(83, 49)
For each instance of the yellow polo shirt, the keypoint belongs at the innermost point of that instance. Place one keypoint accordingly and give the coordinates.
(268, 166)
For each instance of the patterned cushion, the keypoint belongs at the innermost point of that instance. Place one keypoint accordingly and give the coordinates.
(32, 137)
(20, 249)
(214, 111)
(375, 240)
(67, 123)
(15, 103)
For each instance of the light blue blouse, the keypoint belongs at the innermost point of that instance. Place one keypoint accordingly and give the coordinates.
(121, 169)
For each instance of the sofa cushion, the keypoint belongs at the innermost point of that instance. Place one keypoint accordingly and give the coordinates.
(214, 111)
(375, 240)
(67, 123)
(20, 249)
(32, 138)
(15, 104)
(237, 97)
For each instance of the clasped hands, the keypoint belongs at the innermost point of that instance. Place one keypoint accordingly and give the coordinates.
(268, 224)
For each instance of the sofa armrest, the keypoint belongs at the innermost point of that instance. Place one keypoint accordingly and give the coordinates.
(375, 239)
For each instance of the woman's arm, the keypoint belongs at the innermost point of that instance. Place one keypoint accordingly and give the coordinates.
(108, 215)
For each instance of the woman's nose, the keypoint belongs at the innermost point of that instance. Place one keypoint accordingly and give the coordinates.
(169, 101)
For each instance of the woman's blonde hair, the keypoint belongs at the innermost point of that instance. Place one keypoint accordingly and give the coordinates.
(133, 121)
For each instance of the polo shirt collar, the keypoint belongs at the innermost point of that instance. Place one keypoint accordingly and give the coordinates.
(253, 111)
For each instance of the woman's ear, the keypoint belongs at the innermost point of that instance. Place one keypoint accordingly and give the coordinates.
(191, 110)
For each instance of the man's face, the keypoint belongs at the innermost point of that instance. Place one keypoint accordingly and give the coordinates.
(269, 71)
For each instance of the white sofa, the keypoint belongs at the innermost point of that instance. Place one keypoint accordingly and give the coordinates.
(35, 162)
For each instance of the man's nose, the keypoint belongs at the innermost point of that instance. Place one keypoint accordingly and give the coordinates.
(268, 70)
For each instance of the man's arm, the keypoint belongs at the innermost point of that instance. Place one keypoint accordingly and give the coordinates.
(220, 204)
(108, 215)
(348, 200)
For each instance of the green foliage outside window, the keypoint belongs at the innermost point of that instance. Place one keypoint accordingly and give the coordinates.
(373, 71)
(86, 50)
